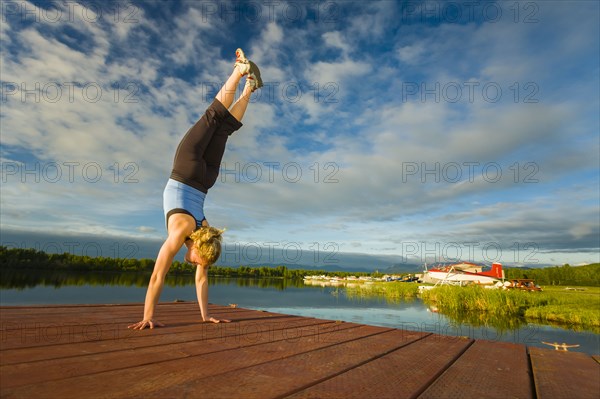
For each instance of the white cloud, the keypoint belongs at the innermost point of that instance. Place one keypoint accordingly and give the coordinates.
(273, 34)
(335, 72)
(330, 84)
(411, 54)
(581, 230)
(334, 39)
(371, 21)
(4, 29)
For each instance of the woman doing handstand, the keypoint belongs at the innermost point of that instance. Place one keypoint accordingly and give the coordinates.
(195, 170)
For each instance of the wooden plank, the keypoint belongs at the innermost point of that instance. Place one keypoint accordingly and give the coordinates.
(13, 329)
(107, 326)
(191, 344)
(488, 369)
(404, 373)
(264, 354)
(127, 339)
(559, 374)
(135, 312)
(82, 340)
(140, 380)
(66, 310)
(282, 377)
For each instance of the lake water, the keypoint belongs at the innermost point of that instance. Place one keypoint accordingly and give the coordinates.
(274, 295)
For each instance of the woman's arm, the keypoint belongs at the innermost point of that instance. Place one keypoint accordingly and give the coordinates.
(202, 290)
(202, 294)
(179, 227)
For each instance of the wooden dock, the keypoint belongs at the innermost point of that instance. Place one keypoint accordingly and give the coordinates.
(87, 351)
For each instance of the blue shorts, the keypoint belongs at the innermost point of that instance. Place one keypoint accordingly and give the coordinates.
(181, 198)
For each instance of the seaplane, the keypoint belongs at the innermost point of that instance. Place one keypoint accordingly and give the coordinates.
(466, 273)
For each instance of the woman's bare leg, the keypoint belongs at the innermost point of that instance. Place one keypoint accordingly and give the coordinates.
(239, 108)
(227, 93)
(253, 81)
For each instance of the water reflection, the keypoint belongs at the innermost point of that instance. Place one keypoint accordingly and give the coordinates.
(277, 283)
(486, 319)
(18, 279)
(503, 324)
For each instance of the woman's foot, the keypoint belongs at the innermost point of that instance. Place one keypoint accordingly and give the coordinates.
(253, 80)
(241, 62)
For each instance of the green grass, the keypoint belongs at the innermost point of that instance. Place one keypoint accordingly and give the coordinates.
(555, 305)
(477, 299)
(392, 292)
(503, 309)
(578, 309)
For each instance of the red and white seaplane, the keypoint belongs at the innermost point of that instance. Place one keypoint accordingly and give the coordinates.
(466, 273)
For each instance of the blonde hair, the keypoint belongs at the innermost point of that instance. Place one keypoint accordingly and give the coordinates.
(207, 240)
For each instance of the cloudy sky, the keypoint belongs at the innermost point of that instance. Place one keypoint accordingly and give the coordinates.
(421, 131)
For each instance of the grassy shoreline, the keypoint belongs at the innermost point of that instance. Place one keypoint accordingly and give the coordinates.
(501, 308)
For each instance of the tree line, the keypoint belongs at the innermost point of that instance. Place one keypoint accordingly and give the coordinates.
(588, 275)
(30, 259)
(24, 259)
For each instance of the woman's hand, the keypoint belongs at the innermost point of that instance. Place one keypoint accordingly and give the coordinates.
(150, 323)
(214, 320)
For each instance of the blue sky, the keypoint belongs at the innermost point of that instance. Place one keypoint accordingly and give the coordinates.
(418, 131)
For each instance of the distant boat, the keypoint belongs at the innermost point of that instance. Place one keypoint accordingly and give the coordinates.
(465, 273)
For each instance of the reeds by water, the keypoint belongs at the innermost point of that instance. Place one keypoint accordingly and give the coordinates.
(391, 292)
(555, 305)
